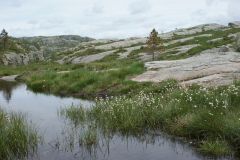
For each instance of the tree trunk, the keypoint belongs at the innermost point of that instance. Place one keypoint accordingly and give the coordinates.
(4, 45)
(153, 52)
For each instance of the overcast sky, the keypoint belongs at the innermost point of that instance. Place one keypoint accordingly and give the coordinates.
(111, 18)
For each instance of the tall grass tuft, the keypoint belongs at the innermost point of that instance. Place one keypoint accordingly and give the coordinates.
(18, 138)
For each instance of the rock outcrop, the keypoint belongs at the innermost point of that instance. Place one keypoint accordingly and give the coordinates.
(235, 24)
(77, 49)
(123, 44)
(192, 30)
(30, 49)
(91, 58)
(211, 68)
(12, 58)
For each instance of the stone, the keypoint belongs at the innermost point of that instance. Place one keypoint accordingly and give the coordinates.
(12, 58)
(9, 78)
(195, 69)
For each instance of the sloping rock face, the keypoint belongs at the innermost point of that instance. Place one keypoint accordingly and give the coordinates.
(31, 49)
(211, 68)
(193, 30)
(106, 47)
(12, 58)
(91, 58)
(128, 51)
(57, 41)
(235, 24)
(122, 44)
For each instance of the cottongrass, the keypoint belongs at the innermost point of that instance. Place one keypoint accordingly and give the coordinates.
(196, 113)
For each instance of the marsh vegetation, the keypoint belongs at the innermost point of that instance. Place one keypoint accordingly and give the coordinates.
(207, 116)
(19, 139)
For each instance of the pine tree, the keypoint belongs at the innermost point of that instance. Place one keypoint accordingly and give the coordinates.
(4, 38)
(154, 42)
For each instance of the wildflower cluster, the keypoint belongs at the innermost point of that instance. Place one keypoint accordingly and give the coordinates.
(194, 112)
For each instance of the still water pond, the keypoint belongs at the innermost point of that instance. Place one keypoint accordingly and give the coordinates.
(42, 111)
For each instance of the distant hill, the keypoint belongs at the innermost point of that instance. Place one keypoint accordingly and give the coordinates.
(179, 43)
(42, 47)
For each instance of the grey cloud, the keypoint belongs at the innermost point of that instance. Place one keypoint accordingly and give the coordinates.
(108, 18)
(139, 6)
(97, 8)
(11, 3)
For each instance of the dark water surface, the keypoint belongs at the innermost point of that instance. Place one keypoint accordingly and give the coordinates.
(42, 110)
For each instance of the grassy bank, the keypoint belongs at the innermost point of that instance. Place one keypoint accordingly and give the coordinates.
(85, 82)
(211, 117)
(18, 138)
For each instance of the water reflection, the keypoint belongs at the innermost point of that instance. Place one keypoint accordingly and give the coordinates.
(117, 146)
(7, 88)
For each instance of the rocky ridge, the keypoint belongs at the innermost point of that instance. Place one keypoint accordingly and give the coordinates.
(25, 50)
(204, 54)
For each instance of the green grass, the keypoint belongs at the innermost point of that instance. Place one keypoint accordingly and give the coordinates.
(84, 82)
(210, 116)
(89, 138)
(89, 51)
(217, 148)
(18, 138)
(204, 45)
(34, 67)
(76, 115)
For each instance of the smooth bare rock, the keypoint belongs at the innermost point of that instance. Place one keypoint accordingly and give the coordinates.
(98, 42)
(186, 39)
(235, 24)
(214, 80)
(9, 78)
(122, 44)
(234, 35)
(193, 30)
(184, 49)
(12, 58)
(214, 40)
(195, 69)
(129, 50)
(146, 56)
(92, 58)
